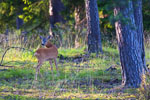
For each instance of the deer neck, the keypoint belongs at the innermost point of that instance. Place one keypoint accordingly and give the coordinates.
(49, 44)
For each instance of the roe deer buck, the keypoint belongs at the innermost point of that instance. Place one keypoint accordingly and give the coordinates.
(46, 54)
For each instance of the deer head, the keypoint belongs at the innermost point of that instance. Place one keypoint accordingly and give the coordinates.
(44, 40)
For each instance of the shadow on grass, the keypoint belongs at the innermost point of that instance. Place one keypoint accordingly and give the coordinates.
(17, 63)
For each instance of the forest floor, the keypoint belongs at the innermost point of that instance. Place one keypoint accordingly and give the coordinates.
(80, 76)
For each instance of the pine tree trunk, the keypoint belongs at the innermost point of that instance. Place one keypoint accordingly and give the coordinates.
(137, 5)
(93, 28)
(129, 47)
(55, 7)
(19, 23)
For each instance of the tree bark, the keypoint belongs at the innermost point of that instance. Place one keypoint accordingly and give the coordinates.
(129, 46)
(55, 7)
(137, 6)
(19, 23)
(93, 28)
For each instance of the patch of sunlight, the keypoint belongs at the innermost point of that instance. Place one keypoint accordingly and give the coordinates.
(101, 63)
(147, 53)
(109, 49)
(71, 52)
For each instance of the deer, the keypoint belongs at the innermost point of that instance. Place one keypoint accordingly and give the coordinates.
(49, 53)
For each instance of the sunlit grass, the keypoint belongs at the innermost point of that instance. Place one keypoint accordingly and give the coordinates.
(76, 80)
(48, 95)
(147, 53)
(16, 73)
(71, 52)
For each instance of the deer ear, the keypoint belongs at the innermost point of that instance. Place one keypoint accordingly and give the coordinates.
(48, 37)
(41, 37)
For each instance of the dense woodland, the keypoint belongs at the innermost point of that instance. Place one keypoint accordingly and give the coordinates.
(74, 49)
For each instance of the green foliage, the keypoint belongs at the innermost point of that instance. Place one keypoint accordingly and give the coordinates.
(36, 16)
(6, 14)
(106, 16)
(146, 15)
(33, 12)
(70, 6)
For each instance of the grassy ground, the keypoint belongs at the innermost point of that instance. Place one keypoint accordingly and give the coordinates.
(81, 76)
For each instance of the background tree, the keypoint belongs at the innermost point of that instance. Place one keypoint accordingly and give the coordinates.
(129, 39)
(146, 15)
(93, 29)
(55, 7)
(138, 16)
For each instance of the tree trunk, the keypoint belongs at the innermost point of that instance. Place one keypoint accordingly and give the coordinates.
(55, 7)
(80, 16)
(93, 28)
(129, 46)
(19, 23)
(137, 5)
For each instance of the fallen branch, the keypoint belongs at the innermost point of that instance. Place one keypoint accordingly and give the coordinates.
(9, 49)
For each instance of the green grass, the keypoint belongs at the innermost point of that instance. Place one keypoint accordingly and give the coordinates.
(85, 79)
(16, 73)
(71, 52)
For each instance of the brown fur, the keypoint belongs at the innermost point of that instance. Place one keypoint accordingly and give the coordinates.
(49, 44)
(46, 54)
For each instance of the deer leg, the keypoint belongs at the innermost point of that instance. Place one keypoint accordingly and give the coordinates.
(38, 69)
(56, 65)
(50, 62)
(39, 72)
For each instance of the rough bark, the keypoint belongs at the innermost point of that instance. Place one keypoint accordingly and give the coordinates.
(93, 28)
(19, 23)
(137, 6)
(55, 7)
(129, 47)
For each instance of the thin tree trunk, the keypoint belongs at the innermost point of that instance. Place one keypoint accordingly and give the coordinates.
(79, 16)
(93, 28)
(55, 7)
(19, 23)
(79, 22)
(129, 47)
(51, 16)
